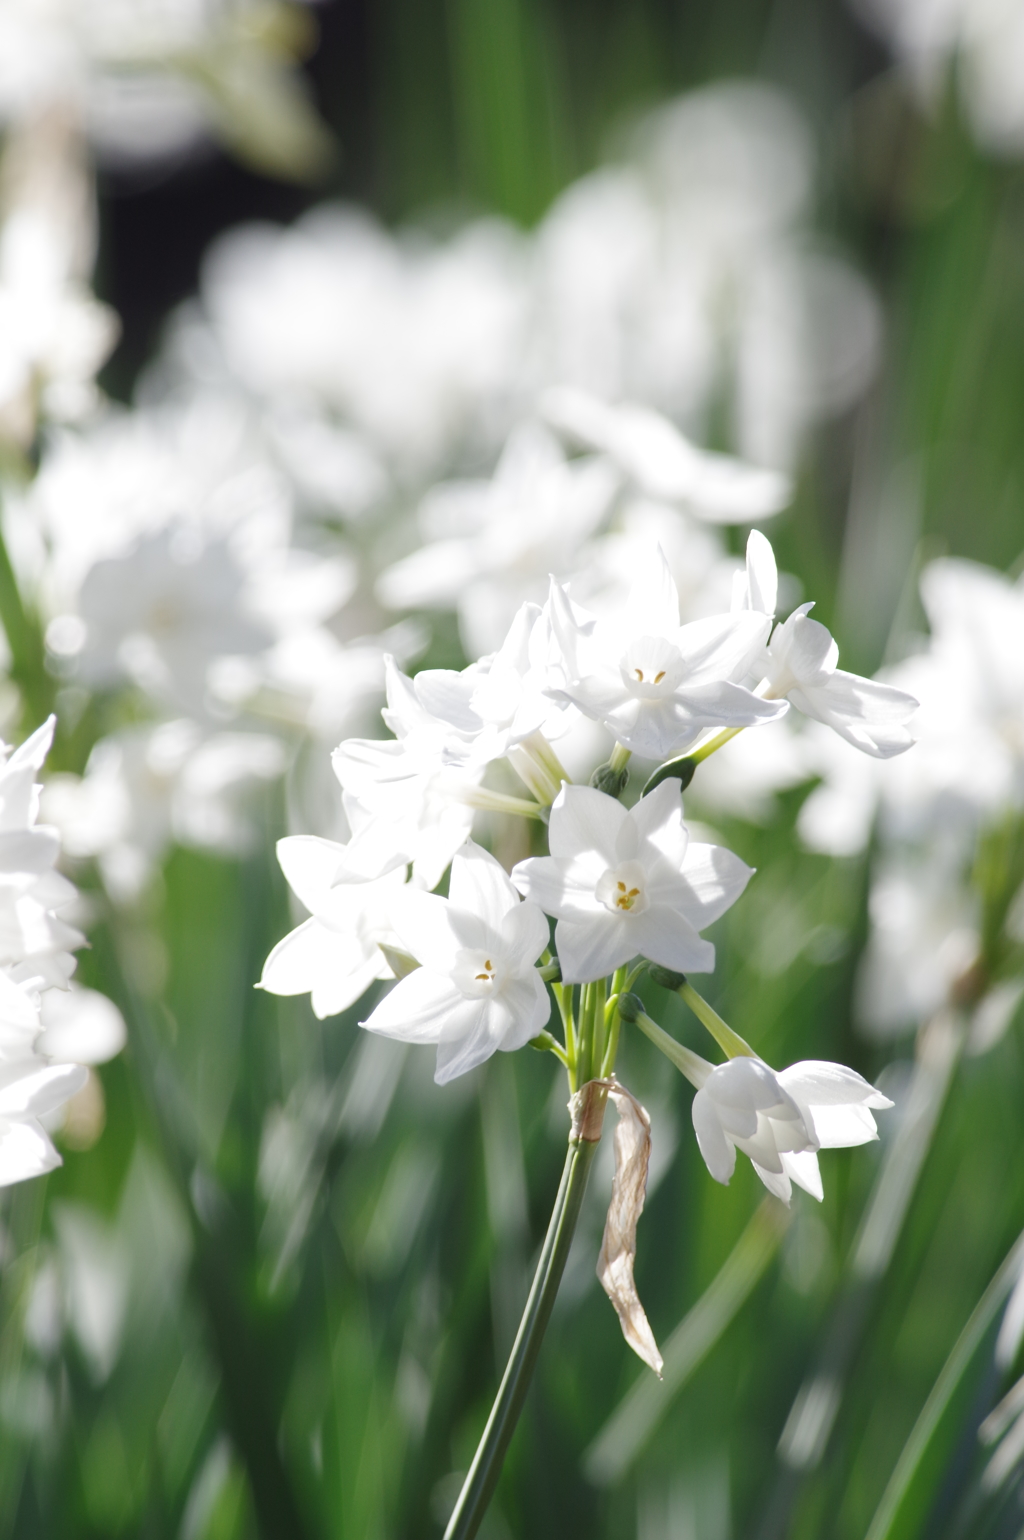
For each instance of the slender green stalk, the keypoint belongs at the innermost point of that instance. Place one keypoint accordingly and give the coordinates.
(619, 757)
(563, 999)
(717, 742)
(689, 1064)
(730, 1042)
(482, 1479)
(546, 1043)
(499, 802)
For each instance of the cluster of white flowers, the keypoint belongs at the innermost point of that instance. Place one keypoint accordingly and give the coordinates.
(49, 1030)
(621, 883)
(982, 39)
(352, 426)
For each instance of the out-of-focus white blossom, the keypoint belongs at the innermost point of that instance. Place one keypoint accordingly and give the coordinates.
(623, 884)
(982, 39)
(924, 938)
(491, 545)
(663, 464)
(411, 344)
(161, 545)
(151, 78)
(145, 787)
(690, 269)
(54, 335)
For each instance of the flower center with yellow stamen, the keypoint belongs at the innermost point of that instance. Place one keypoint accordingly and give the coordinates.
(652, 667)
(622, 889)
(478, 973)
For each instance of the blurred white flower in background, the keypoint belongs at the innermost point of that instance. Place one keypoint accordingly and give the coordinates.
(148, 79)
(965, 777)
(54, 335)
(982, 39)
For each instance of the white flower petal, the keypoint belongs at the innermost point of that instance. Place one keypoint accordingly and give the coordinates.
(584, 819)
(25, 1151)
(480, 885)
(716, 878)
(310, 866)
(525, 934)
(39, 1091)
(804, 1170)
(423, 924)
(588, 950)
(722, 646)
(423, 1007)
(668, 938)
(719, 1155)
(819, 1082)
(777, 1183)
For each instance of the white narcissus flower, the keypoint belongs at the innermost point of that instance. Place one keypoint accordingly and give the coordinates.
(627, 883)
(781, 1119)
(335, 955)
(403, 802)
(653, 683)
(801, 666)
(495, 704)
(477, 989)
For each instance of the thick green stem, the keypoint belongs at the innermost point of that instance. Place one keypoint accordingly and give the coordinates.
(479, 1485)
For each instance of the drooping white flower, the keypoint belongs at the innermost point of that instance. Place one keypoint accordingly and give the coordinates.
(653, 683)
(801, 667)
(781, 1119)
(335, 955)
(477, 989)
(626, 883)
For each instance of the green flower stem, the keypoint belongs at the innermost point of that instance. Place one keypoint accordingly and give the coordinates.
(730, 1042)
(499, 802)
(585, 1044)
(563, 999)
(689, 1064)
(546, 1043)
(717, 742)
(619, 757)
(482, 1479)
